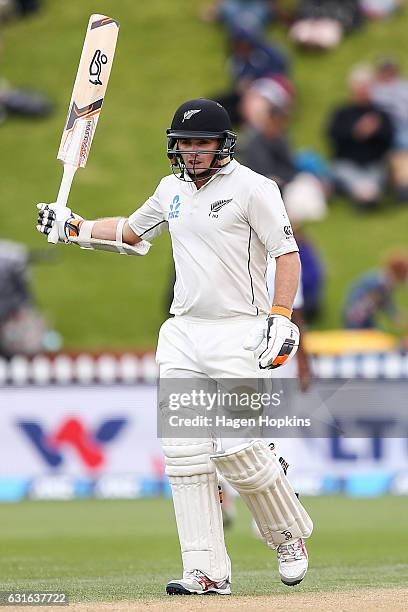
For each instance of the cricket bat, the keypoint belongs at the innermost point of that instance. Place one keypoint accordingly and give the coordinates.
(85, 105)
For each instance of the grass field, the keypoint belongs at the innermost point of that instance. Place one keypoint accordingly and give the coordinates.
(164, 56)
(127, 550)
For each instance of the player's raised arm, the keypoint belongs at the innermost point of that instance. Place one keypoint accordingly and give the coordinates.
(127, 236)
(109, 234)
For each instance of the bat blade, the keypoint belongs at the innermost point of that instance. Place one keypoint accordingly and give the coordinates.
(89, 90)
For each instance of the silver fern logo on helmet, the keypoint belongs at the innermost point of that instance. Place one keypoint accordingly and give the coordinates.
(190, 113)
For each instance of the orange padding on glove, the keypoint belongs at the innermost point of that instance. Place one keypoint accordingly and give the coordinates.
(280, 359)
(281, 310)
(73, 227)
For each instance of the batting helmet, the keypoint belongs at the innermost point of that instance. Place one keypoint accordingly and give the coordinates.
(201, 118)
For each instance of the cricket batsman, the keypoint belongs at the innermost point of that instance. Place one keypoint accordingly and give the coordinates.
(223, 220)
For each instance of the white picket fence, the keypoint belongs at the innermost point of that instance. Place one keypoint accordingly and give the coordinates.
(130, 368)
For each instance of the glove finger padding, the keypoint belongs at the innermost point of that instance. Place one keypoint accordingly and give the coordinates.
(45, 219)
(67, 221)
(282, 342)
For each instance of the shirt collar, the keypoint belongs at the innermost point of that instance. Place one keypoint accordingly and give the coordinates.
(228, 168)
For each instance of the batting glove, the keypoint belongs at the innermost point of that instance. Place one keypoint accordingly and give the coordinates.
(281, 339)
(68, 222)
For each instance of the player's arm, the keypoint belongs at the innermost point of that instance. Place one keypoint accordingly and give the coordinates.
(128, 236)
(105, 229)
(279, 336)
(286, 280)
(280, 333)
(109, 234)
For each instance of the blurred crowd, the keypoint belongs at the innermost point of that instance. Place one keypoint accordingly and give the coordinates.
(318, 24)
(367, 134)
(23, 328)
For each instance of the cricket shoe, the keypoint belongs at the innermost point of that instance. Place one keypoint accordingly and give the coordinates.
(197, 583)
(293, 561)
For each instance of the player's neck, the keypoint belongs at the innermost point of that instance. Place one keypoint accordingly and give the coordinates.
(200, 182)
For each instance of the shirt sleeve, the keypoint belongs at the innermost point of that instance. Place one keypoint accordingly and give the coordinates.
(148, 221)
(268, 218)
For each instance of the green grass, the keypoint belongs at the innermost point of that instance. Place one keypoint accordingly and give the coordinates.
(111, 550)
(164, 56)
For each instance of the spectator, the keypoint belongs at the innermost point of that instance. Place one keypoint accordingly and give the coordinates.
(390, 92)
(22, 327)
(13, 100)
(24, 7)
(266, 108)
(321, 24)
(313, 277)
(10, 9)
(22, 103)
(373, 294)
(361, 136)
(378, 9)
(265, 149)
(253, 15)
(251, 58)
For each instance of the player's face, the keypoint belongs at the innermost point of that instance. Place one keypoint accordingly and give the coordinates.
(195, 162)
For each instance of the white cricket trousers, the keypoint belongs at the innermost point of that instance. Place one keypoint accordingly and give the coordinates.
(194, 347)
(190, 347)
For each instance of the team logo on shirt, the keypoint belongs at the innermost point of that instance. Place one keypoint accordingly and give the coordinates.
(288, 231)
(216, 206)
(175, 208)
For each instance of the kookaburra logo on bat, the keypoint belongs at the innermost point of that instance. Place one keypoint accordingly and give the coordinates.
(95, 67)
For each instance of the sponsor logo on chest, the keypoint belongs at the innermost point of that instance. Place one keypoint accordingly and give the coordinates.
(175, 208)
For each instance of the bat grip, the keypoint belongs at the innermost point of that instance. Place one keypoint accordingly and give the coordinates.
(62, 199)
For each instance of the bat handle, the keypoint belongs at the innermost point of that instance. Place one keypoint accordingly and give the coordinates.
(62, 199)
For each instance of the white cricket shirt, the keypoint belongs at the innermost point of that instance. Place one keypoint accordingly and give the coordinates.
(220, 236)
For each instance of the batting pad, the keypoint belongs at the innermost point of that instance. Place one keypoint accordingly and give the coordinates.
(254, 471)
(194, 485)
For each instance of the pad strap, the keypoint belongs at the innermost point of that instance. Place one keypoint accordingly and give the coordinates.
(85, 241)
(85, 234)
(119, 235)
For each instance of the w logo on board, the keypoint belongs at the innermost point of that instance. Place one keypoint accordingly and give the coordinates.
(72, 435)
